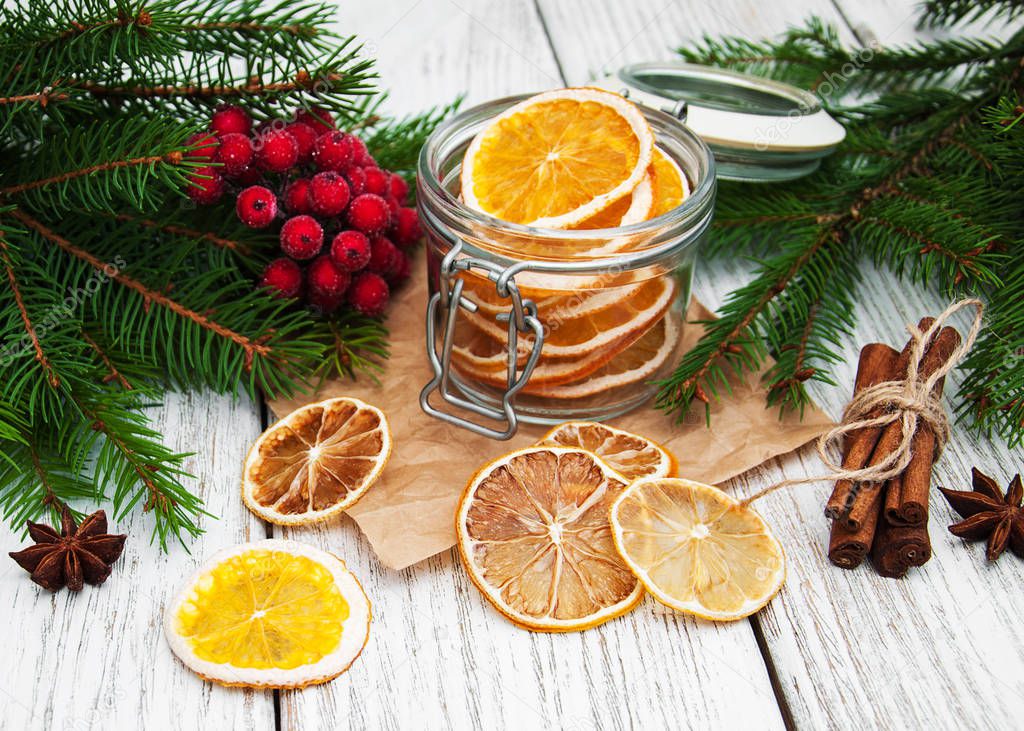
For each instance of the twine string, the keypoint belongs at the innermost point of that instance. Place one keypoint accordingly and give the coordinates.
(908, 401)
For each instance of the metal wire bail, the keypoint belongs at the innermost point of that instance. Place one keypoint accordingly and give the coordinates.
(522, 318)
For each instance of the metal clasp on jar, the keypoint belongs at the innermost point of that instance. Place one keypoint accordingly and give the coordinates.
(522, 318)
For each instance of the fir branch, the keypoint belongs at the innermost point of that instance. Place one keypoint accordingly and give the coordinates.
(30, 329)
(114, 374)
(944, 13)
(731, 337)
(175, 230)
(117, 163)
(251, 347)
(253, 86)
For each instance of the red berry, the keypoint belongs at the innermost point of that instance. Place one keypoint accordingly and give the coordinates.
(204, 147)
(327, 278)
(394, 207)
(407, 229)
(333, 151)
(369, 213)
(296, 196)
(235, 153)
(305, 137)
(205, 185)
(324, 302)
(360, 155)
(283, 275)
(400, 270)
(276, 151)
(256, 206)
(383, 256)
(230, 118)
(351, 250)
(302, 237)
(250, 176)
(399, 188)
(356, 178)
(328, 194)
(368, 293)
(319, 119)
(378, 182)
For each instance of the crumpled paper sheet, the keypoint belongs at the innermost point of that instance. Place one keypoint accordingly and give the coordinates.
(409, 515)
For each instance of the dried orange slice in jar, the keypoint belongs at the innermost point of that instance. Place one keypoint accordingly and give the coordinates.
(697, 549)
(557, 158)
(640, 361)
(670, 185)
(636, 207)
(316, 462)
(560, 305)
(575, 337)
(533, 533)
(631, 455)
(269, 614)
(481, 357)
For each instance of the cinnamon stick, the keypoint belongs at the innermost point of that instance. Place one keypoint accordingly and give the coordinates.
(899, 547)
(906, 501)
(847, 548)
(912, 494)
(878, 363)
(937, 353)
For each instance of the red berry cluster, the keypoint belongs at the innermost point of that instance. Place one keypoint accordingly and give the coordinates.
(342, 216)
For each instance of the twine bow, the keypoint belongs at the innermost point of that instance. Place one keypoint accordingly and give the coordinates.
(908, 401)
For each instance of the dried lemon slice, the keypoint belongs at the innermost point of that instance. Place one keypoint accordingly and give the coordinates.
(534, 536)
(631, 455)
(316, 462)
(269, 614)
(557, 158)
(697, 549)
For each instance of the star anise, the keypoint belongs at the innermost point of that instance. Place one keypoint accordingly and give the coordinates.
(988, 513)
(78, 554)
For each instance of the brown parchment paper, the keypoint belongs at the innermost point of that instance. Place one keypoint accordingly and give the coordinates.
(409, 515)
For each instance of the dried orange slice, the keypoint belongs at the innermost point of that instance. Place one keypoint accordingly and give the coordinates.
(550, 305)
(557, 158)
(697, 549)
(534, 536)
(316, 462)
(578, 336)
(481, 357)
(631, 455)
(633, 208)
(638, 361)
(269, 614)
(670, 185)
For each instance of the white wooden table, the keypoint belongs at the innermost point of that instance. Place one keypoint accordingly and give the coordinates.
(942, 648)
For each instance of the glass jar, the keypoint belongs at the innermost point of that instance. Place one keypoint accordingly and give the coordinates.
(545, 325)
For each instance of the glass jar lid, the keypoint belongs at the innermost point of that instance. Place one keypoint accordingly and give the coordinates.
(760, 130)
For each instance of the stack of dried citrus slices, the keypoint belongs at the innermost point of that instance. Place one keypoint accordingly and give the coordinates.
(568, 533)
(573, 159)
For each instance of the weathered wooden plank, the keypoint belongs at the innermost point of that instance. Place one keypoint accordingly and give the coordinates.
(851, 649)
(942, 648)
(439, 656)
(99, 659)
(593, 39)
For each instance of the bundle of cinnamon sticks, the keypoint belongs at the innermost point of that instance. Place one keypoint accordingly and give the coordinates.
(888, 521)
